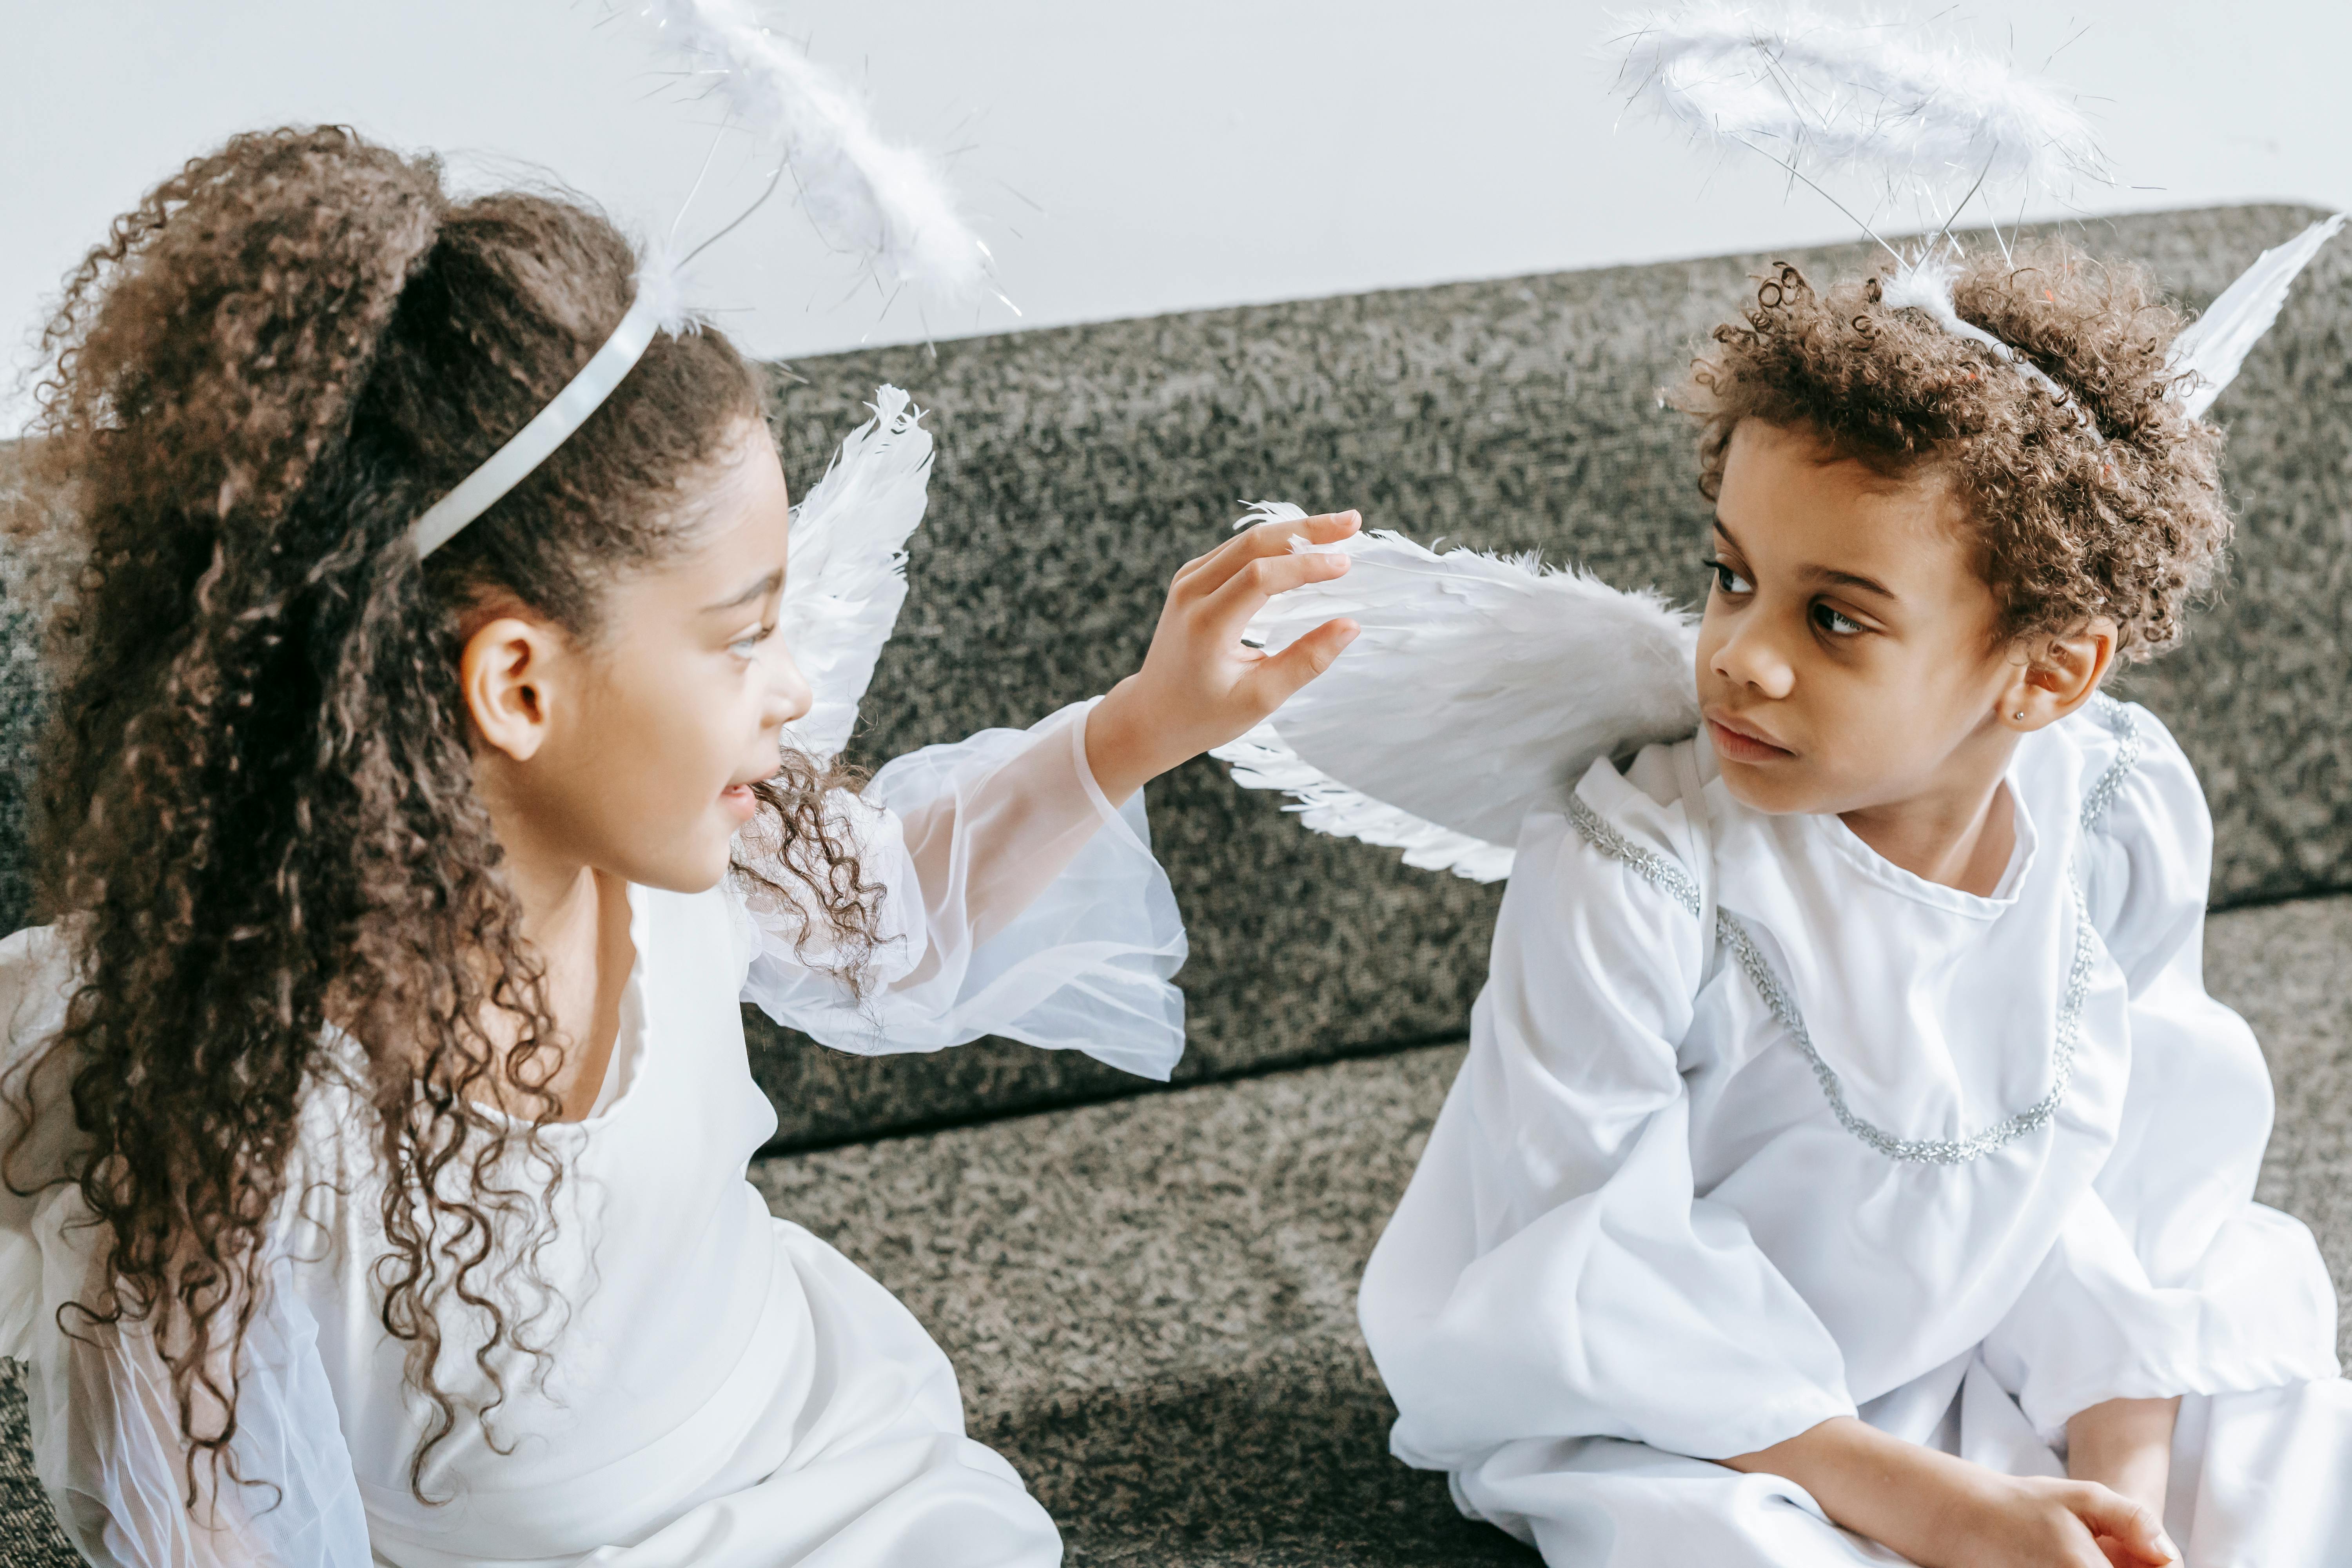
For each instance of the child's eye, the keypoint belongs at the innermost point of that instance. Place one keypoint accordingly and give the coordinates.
(749, 643)
(1836, 624)
(1729, 581)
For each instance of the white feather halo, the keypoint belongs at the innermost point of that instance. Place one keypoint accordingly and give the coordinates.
(888, 205)
(1930, 120)
(1825, 96)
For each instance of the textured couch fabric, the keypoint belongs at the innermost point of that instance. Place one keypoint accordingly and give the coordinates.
(1079, 467)
(1150, 1299)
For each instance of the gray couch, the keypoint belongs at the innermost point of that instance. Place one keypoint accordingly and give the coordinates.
(1149, 1294)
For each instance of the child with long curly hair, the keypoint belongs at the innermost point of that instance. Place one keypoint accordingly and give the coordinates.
(377, 1106)
(1849, 1165)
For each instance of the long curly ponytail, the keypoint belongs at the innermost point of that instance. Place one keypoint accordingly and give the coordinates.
(256, 814)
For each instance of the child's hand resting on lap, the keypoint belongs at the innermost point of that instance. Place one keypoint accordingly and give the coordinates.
(1200, 685)
(1945, 1512)
(1997, 1519)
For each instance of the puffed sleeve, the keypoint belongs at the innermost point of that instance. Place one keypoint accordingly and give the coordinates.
(1550, 1272)
(2168, 1278)
(106, 1434)
(1016, 901)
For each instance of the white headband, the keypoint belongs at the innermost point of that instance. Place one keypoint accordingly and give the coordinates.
(887, 203)
(2204, 358)
(581, 397)
(1925, 284)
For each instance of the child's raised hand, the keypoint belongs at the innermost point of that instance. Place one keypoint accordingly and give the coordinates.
(1200, 685)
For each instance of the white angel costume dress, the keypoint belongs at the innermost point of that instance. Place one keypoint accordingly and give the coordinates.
(1757, 1128)
(725, 1390)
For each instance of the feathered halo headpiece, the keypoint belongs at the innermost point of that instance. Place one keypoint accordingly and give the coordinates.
(887, 205)
(1926, 126)
(1481, 685)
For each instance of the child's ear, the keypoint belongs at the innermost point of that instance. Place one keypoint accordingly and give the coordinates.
(504, 672)
(2057, 676)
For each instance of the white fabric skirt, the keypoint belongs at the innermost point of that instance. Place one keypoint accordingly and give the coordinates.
(2262, 1480)
(862, 1465)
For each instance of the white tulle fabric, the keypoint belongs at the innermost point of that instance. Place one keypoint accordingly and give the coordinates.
(1640, 1241)
(108, 1453)
(104, 1416)
(727, 1391)
(1043, 916)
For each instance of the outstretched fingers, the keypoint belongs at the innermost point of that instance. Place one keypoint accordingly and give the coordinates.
(1226, 614)
(1274, 680)
(1204, 576)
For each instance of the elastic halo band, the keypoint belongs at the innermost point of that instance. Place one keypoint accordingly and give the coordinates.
(548, 429)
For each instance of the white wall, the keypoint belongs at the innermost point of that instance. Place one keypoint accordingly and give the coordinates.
(1123, 158)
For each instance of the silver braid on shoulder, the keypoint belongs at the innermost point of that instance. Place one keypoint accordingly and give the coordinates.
(1669, 876)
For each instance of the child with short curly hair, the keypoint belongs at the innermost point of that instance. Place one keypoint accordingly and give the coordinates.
(1849, 1161)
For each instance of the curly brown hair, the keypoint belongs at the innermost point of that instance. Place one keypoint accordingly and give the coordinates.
(2105, 503)
(258, 819)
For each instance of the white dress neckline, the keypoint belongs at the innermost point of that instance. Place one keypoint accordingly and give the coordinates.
(1856, 852)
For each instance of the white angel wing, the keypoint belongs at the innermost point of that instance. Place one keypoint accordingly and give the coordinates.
(2212, 347)
(848, 576)
(1480, 685)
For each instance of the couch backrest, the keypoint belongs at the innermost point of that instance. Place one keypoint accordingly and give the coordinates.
(1079, 467)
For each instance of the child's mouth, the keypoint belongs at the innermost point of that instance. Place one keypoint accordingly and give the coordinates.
(740, 800)
(1741, 747)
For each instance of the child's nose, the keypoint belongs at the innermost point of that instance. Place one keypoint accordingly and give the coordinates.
(788, 696)
(1748, 658)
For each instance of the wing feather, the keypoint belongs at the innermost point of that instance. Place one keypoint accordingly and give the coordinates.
(2210, 350)
(848, 564)
(1263, 760)
(1481, 685)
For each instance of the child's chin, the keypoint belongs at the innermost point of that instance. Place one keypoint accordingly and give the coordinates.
(1776, 789)
(696, 871)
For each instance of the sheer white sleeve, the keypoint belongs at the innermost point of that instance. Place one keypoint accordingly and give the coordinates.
(1550, 1272)
(105, 1432)
(2168, 1278)
(1016, 901)
(107, 1446)
(36, 979)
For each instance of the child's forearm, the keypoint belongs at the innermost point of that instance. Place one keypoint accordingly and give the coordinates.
(2124, 1445)
(1895, 1492)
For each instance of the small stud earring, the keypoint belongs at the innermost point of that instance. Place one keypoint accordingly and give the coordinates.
(2019, 714)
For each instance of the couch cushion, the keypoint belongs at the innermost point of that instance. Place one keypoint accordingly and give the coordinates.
(1152, 1304)
(1079, 467)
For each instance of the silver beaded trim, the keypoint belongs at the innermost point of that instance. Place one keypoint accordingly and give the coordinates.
(2118, 718)
(1660, 871)
(1671, 879)
(1931, 1150)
